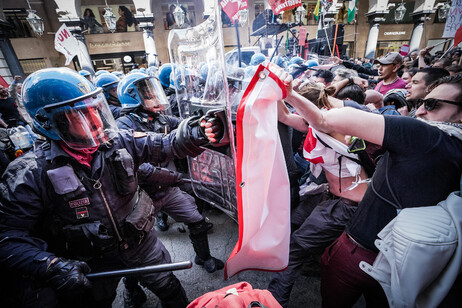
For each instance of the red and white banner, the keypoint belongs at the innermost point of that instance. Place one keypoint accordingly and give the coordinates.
(279, 6)
(232, 8)
(262, 183)
(66, 43)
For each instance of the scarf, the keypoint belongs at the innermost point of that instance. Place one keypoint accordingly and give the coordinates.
(452, 129)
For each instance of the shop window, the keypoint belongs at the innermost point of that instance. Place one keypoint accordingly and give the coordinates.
(169, 20)
(17, 18)
(31, 65)
(93, 15)
(385, 47)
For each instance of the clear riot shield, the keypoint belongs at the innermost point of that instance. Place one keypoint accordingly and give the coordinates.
(200, 83)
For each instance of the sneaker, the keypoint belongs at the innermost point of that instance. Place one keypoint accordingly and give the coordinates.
(161, 224)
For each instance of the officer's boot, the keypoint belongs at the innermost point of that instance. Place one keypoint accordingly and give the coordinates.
(200, 242)
(133, 295)
(161, 221)
(172, 295)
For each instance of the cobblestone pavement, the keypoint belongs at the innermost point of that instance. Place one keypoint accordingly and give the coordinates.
(223, 237)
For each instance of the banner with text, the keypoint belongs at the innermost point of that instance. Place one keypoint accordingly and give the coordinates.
(279, 6)
(66, 43)
(454, 19)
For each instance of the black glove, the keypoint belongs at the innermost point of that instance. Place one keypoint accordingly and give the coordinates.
(216, 132)
(68, 276)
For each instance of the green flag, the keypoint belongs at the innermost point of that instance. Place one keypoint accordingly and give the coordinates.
(351, 10)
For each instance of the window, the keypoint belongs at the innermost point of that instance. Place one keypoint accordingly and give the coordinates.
(169, 20)
(17, 18)
(31, 65)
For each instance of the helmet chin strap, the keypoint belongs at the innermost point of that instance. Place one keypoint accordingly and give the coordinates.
(114, 100)
(150, 112)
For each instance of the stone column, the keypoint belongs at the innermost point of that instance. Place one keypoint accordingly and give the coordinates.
(146, 24)
(374, 20)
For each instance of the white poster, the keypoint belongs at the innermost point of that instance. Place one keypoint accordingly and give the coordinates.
(454, 19)
(66, 43)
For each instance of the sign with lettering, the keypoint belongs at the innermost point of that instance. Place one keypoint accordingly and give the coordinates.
(279, 6)
(302, 36)
(232, 8)
(454, 19)
(66, 43)
(404, 50)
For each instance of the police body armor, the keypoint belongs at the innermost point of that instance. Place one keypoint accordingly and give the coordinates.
(92, 216)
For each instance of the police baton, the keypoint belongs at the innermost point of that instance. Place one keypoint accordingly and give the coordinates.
(142, 270)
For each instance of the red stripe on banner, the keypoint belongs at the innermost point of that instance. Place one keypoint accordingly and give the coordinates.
(310, 141)
(239, 151)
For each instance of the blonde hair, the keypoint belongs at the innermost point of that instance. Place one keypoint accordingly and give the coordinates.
(317, 94)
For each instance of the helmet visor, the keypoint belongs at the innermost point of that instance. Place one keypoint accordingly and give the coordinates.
(152, 95)
(86, 123)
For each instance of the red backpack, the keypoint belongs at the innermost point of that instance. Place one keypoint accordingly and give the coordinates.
(238, 295)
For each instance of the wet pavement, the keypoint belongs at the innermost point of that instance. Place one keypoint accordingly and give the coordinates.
(223, 238)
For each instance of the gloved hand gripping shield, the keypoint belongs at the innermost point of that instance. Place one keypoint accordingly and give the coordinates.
(82, 123)
(199, 79)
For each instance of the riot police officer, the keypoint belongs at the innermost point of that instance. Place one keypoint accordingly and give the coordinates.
(109, 82)
(142, 96)
(73, 203)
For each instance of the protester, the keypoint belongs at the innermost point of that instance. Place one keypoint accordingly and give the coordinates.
(436, 144)
(73, 203)
(8, 110)
(388, 68)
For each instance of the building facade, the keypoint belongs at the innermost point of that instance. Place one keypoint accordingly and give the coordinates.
(373, 32)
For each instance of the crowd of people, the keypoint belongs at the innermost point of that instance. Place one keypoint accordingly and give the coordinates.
(362, 139)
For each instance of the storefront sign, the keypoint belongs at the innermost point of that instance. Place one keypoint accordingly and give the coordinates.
(454, 19)
(395, 33)
(115, 43)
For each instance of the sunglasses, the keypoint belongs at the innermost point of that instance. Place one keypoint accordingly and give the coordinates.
(430, 103)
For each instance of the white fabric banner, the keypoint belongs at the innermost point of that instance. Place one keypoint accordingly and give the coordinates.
(66, 43)
(262, 182)
(454, 20)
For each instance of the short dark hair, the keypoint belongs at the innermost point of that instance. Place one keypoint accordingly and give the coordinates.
(432, 74)
(327, 75)
(454, 80)
(353, 92)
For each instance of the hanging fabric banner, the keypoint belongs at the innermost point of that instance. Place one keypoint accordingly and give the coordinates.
(232, 8)
(262, 183)
(279, 6)
(66, 43)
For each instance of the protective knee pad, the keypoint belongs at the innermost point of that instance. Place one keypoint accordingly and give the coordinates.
(172, 294)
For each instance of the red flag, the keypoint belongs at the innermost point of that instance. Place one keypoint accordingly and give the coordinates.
(458, 37)
(3, 82)
(262, 183)
(232, 8)
(279, 6)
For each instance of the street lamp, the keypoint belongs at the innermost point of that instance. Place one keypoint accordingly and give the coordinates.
(179, 15)
(399, 12)
(243, 16)
(109, 18)
(35, 21)
(443, 11)
(300, 14)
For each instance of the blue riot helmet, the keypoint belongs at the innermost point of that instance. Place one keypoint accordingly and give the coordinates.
(118, 74)
(311, 63)
(133, 71)
(296, 60)
(84, 73)
(109, 83)
(65, 106)
(139, 89)
(143, 70)
(257, 58)
(184, 79)
(100, 72)
(164, 74)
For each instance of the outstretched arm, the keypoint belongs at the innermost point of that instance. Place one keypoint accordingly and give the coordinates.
(347, 121)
